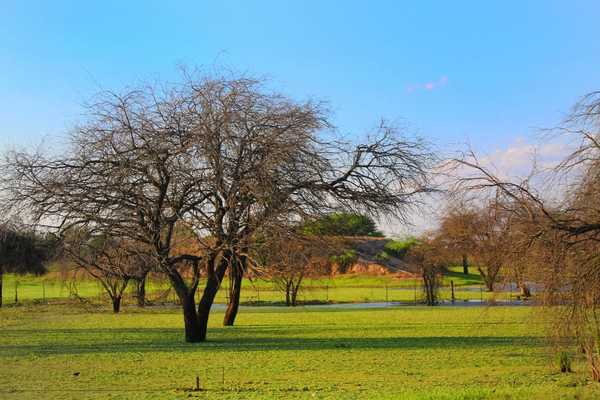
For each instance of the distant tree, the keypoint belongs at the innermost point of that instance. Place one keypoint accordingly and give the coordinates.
(112, 262)
(426, 256)
(343, 224)
(288, 258)
(456, 229)
(22, 252)
(481, 232)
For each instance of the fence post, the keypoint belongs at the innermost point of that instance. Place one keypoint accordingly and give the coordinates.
(327, 293)
(452, 288)
(43, 291)
(415, 291)
(16, 291)
(386, 293)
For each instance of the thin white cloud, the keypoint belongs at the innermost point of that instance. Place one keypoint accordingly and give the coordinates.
(518, 159)
(428, 86)
(513, 162)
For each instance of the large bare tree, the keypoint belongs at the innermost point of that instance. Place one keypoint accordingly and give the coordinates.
(224, 157)
(129, 172)
(274, 160)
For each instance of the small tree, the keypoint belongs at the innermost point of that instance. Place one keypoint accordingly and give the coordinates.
(289, 258)
(426, 257)
(481, 232)
(456, 230)
(112, 262)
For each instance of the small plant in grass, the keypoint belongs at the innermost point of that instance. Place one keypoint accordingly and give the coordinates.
(564, 360)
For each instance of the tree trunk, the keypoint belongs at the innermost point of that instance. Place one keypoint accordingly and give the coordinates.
(430, 287)
(234, 297)
(465, 264)
(288, 300)
(525, 291)
(488, 279)
(116, 304)
(191, 319)
(208, 296)
(295, 295)
(141, 291)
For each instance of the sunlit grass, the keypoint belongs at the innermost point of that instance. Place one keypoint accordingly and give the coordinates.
(67, 352)
(338, 289)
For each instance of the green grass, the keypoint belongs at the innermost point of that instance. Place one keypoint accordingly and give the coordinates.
(52, 286)
(280, 353)
(340, 289)
(456, 274)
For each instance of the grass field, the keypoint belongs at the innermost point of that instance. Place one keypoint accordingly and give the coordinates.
(72, 352)
(341, 289)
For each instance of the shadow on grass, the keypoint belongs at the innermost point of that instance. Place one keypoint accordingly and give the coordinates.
(139, 340)
(469, 279)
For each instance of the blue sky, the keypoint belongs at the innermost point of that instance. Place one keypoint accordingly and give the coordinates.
(487, 73)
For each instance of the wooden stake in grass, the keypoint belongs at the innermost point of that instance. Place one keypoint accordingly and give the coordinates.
(197, 388)
(386, 293)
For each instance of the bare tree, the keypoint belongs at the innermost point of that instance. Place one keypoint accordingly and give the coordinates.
(130, 172)
(480, 232)
(272, 159)
(563, 226)
(222, 156)
(112, 262)
(428, 257)
(456, 230)
(287, 257)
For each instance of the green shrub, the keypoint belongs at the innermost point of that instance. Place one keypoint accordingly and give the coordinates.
(563, 359)
(343, 224)
(382, 256)
(346, 259)
(399, 248)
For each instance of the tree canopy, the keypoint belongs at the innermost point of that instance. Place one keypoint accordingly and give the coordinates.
(343, 224)
(222, 156)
